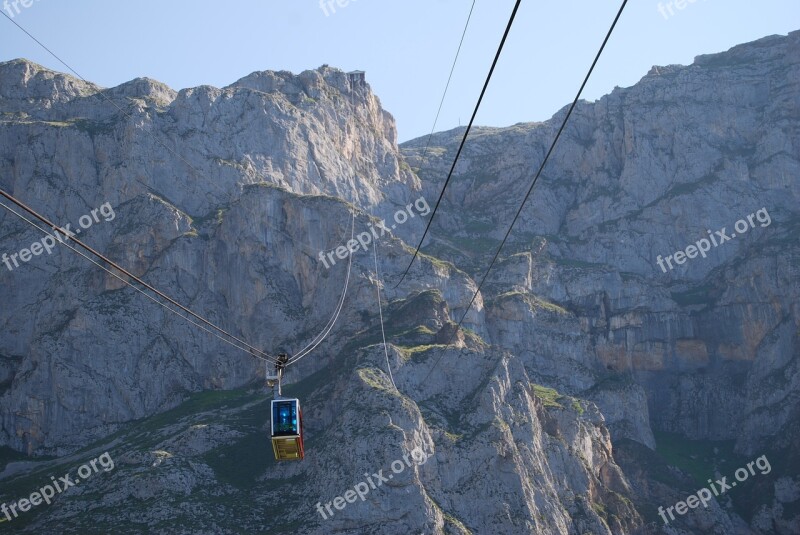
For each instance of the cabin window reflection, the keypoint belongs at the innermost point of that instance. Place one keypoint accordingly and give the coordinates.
(284, 418)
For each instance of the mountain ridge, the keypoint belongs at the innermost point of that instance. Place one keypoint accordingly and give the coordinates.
(580, 355)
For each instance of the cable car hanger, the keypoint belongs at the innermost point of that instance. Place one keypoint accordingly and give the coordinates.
(275, 379)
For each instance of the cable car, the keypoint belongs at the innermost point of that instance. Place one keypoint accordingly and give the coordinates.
(286, 426)
(287, 429)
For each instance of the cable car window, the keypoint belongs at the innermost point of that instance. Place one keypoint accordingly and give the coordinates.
(284, 418)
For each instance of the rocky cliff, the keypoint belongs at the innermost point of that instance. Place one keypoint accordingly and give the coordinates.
(590, 387)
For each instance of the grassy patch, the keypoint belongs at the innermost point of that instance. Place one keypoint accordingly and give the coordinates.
(450, 519)
(410, 352)
(241, 463)
(141, 433)
(477, 226)
(688, 188)
(699, 458)
(536, 303)
(374, 378)
(600, 510)
(475, 337)
(456, 523)
(549, 396)
(452, 437)
(441, 264)
(547, 305)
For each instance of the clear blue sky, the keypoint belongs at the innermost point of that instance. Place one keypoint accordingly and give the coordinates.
(405, 46)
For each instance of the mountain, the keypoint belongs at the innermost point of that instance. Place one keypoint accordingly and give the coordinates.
(594, 383)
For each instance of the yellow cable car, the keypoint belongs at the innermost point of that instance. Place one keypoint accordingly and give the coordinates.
(287, 429)
(286, 426)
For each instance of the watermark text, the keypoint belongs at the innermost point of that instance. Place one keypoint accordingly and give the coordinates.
(47, 492)
(703, 245)
(12, 6)
(704, 495)
(365, 238)
(362, 489)
(49, 242)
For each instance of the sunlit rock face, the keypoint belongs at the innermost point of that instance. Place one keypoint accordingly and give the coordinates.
(578, 354)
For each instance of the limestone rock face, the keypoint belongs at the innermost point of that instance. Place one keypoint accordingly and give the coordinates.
(709, 344)
(578, 358)
(638, 175)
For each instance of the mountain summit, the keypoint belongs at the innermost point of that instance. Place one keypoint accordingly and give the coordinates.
(591, 386)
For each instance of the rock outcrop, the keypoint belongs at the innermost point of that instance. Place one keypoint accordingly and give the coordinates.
(550, 413)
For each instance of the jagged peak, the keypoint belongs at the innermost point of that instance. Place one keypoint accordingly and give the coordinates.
(147, 88)
(22, 79)
(25, 80)
(754, 51)
(310, 82)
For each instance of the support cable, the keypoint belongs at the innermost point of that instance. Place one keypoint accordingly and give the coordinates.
(447, 86)
(536, 177)
(252, 350)
(335, 317)
(463, 139)
(380, 312)
(156, 301)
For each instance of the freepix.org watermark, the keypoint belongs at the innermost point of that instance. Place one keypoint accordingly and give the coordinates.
(666, 10)
(47, 492)
(704, 495)
(330, 5)
(48, 243)
(365, 238)
(719, 237)
(8, 5)
(362, 489)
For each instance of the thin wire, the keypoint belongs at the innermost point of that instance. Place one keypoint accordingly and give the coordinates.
(321, 335)
(335, 317)
(34, 225)
(341, 303)
(129, 116)
(463, 139)
(538, 173)
(380, 311)
(329, 328)
(314, 340)
(131, 275)
(433, 129)
(446, 87)
(159, 142)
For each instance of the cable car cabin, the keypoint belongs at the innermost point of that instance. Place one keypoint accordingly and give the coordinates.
(287, 429)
